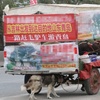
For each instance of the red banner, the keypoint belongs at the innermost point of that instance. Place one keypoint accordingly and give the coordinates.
(33, 2)
(47, 27)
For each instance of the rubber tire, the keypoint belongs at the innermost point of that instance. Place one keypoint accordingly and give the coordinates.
(26, 78)
(92, 85)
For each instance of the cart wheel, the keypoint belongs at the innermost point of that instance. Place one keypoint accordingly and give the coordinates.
(92, 85)
(26, 78)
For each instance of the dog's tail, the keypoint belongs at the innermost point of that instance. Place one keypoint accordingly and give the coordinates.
(23, 88)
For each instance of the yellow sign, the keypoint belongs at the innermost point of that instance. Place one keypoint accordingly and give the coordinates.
(84, 36)
(58, 65)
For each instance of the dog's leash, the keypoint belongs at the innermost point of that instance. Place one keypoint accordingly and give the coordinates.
(71, 91)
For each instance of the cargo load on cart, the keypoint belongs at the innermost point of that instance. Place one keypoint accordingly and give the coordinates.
(62, 40)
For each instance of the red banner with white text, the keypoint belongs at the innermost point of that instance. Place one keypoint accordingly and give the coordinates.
(40, 28)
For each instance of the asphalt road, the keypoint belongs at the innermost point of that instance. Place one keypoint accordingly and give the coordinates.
(10, 90)
(1, 58)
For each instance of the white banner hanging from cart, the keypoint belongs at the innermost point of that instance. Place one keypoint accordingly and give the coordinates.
(34, 56)
(88, 25)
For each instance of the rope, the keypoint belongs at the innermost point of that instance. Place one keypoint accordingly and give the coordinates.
(71, 91)
(90, 47)
(94, 51)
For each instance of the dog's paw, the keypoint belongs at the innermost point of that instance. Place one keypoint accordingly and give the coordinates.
(57, 96)
(49, 97)
(23, 88)
(32, 98)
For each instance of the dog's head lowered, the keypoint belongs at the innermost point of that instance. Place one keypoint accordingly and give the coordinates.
(35, 81)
